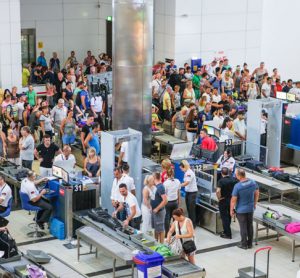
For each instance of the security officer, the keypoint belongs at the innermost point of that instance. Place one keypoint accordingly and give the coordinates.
(5, 194)
(224, 191)
(28, 186)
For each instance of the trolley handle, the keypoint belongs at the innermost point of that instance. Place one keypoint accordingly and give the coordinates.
(269, 248)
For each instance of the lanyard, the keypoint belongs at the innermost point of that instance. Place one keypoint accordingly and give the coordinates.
(2, 189)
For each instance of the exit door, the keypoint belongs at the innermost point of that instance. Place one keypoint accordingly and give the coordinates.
(28, 46)
(109, 37)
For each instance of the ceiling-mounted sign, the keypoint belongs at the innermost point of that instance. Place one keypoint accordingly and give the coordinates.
(40, 45)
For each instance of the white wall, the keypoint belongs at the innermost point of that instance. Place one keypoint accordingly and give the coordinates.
(200, 28)
(10, 44)
(65, 25)
(281, 39)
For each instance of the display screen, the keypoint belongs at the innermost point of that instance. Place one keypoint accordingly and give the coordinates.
(290, 97)
(57, 172)
(281, 95)
(210, 129)
(65, 176)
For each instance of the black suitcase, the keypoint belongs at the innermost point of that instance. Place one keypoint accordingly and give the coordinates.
(254, 165)
(281, 176)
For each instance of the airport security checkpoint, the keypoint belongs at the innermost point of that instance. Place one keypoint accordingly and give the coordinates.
(118, 166)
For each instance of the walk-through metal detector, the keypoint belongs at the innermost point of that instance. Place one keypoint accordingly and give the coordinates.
(253, 145)
(108, 153)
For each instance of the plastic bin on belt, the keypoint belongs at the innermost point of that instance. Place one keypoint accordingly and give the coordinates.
(148, 264)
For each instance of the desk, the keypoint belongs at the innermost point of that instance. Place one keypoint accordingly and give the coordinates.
(166, 140)
(272, 184)
(258, 219)
(111, 247)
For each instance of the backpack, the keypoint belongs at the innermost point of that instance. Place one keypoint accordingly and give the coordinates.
(8, 245)
(78, 99)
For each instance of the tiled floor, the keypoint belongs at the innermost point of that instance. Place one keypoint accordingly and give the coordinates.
(221, 263)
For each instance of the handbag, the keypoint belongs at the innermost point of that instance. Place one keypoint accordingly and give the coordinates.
(175, 246)
(188, 246)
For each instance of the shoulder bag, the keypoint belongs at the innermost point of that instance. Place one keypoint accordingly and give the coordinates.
(188, 246)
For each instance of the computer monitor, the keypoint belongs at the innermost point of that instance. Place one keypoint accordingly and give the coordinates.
(65, 176)
(206, 154)
(57, 172)
(212, 131)
(291, 97)
(281, 95)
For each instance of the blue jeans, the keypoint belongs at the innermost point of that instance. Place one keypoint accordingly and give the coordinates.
(68, 139)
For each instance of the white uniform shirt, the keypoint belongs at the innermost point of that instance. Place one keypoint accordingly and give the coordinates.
(29, 188)
(5, 195)
(172, 186)
(124, 149)
(228, 162)
(189, 176)
(129, 181)
(131, 201)
(115, 192)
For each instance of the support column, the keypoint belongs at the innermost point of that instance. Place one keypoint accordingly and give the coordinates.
(132, 59)
(10, 44)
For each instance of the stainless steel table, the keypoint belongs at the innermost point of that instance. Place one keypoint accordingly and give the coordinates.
(166, 140)
(258, 219)
(111, 247)
(271, 184)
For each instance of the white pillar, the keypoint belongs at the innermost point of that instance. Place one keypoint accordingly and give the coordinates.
(10, 44)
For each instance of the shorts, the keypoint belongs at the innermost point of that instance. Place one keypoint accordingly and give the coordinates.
(68, 139)
(158, 221)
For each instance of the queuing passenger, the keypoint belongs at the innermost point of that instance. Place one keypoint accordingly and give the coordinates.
(239, 126)
(227, 129)
(92, 163)
(46, 122)
(189, 93)
(31, 96)
(85, 131)
(54, 63)
(166, 164)
(28, 186)
(12, 147)
(191, 189)
(207, 142)
(253, 89)
(184, 229)
(245, 196)
(130, 204)
(204, 115)
(66, 159)
(191, 125)
(288, 86)
(158, 203)
(178, 121)
(92, 139)
(129, 181)
(58, 113)
(42, 60)
(2, 142)
(26, 145)
(123, 157)
(45, 154)
(5, 194)
(68, 129)
(146, 204)
(224, 191)
(266, 88)
(172, 187)
(98, 108)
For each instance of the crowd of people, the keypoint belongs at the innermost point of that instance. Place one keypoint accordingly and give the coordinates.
(216, 92)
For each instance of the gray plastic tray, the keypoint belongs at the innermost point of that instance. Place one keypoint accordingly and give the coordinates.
(21, 271)
(38, 256)
(12, 259)
(248, 272)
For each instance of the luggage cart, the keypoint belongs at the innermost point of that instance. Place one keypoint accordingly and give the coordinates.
(253, 272)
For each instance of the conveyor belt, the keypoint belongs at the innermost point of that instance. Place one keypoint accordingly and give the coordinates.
(172, 268)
